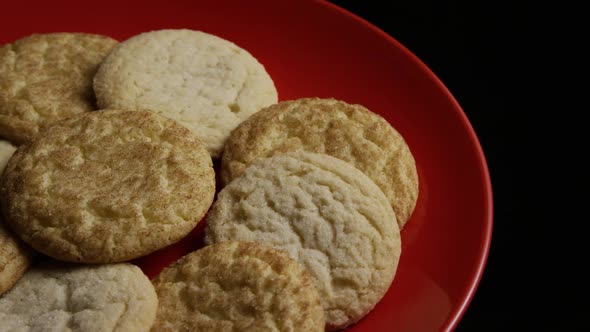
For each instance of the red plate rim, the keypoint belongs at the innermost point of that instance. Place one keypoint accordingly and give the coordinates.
(458, 312)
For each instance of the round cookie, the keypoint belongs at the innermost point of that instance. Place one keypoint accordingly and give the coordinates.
(109, 297)
(47, 77)
(14, 256)
(345, 131)
(237, 286)
(108, 186)
(326, 214)
(206, 83)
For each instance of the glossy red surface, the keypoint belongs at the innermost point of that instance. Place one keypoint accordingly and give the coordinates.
(317, 49)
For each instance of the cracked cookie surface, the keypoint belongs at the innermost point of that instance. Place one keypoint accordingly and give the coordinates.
(14, 256)
(346, 131)
(108, 186)
(85, 298)
(326, 214)
(206, 83)
(45, 78)
(237, 286)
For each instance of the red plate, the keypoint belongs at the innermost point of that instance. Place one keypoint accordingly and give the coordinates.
(317, 49)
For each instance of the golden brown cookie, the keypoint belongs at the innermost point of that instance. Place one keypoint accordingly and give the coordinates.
(326, 214)
(15, 257)
(237, 286)
(108, 186)
(345, 131)
(47, 77)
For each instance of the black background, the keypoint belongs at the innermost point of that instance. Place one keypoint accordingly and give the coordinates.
(489, 56)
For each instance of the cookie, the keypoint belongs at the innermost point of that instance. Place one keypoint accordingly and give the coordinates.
(326, 214)
(14, 256)
(45, 78)
(108, 186)
(345, 131)
(237, 286)
(64, 297)
(206, 83)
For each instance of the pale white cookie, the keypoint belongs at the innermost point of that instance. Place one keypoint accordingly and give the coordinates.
(326, 214)
(206, 83)
(86, 298)
(237, 286)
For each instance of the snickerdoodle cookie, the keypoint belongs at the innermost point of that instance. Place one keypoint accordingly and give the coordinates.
(345, 131)
(108, 186)
(237, 286)
(45, 78)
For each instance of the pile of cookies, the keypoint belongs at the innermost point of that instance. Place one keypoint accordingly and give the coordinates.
(116, 143)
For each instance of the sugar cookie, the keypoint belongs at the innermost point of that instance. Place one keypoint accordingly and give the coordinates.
(326, 214)
(85, 298)
(206, 83)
